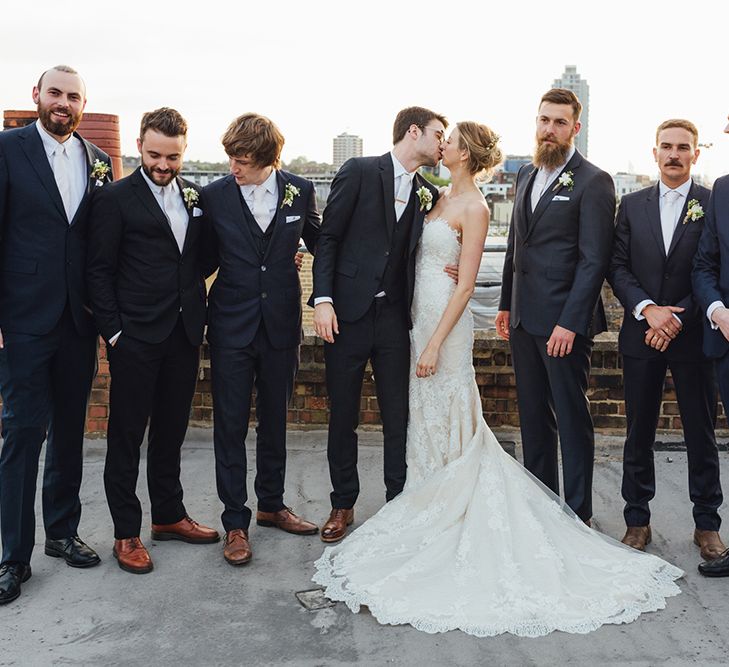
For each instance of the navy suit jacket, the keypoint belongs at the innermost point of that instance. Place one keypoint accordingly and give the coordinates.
(711, 265)
(640, 270)
(42, 256)
(557, 257)
(356, 235)
(251, 289)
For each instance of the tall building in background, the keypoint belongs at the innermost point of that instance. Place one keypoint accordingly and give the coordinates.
(344, 147)
(571, 80)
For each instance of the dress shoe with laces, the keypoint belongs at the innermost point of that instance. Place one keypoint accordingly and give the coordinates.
(637, 537)
(11, 576)
(719, 567)
(185, 530)
(237, 549)
(132, 556)
(286, 520)
(73, 550)
(336, 526)
(710, 543)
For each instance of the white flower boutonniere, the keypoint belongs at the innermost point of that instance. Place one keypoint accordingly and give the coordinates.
(191, 196)
(100, 172)
(694, 211)
(290, 191)
(565, 180)
(426, 198)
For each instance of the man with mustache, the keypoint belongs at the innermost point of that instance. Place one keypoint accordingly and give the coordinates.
(47, 336)
(146, 280)
(557, 256)
(711, 289)
(658, 230)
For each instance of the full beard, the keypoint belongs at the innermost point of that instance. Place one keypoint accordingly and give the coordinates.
(59, 128)
(551, 155)
(161, 178)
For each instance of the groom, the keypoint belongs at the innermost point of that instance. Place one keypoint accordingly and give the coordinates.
(363, 284)
(556, 258)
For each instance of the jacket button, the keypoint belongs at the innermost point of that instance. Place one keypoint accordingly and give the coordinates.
(263, 268)
(387, 253)
(666, 276)
(263, 295)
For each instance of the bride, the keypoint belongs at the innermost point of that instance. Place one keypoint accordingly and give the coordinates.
(475, 542)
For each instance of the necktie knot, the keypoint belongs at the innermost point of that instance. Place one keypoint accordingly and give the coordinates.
(261, 212)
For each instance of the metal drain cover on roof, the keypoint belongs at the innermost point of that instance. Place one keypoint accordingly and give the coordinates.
(314, 600)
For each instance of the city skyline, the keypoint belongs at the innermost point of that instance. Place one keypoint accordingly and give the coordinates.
(316, 78)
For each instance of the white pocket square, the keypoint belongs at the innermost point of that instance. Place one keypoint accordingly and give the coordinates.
(292, 218)
(560, 198)
(196, 212)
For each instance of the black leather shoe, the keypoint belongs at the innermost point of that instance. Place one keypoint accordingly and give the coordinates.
(11, 576)
(719, 567)
(73, 551)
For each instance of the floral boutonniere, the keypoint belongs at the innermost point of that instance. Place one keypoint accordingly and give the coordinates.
(100, 172)
(565, 180)
(191, 196)
(694, 211)
(426, 198)
(290, 191)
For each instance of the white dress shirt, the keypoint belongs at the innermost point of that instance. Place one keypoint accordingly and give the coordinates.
(270, 199)
(545, 178)
(682, 191)
(78, 166)
(399, 172)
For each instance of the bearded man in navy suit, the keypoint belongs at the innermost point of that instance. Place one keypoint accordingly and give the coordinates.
(48, 175)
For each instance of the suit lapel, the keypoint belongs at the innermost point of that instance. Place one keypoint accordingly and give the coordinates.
(653, 215)
(33, 148)
(235, 203)
(680, 226)
(419, 213)
(279, 216)
(143, 191)
(191, 231)
(552, 190)
(523, 203)
(387, 175)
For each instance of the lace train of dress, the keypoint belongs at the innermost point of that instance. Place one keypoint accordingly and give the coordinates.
(475, 542)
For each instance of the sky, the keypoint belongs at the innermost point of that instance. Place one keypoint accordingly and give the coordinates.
(322, 67)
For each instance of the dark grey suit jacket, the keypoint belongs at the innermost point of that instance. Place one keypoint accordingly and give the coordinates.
(557, 257)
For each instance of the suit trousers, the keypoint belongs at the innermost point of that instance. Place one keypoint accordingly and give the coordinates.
(552, 397)
(696, 395)
(235, 372)
(150, 383)
(45, 383)
(381, 336)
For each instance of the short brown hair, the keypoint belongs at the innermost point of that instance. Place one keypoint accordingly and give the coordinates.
(563, 96)
(683, 124)
(419, 116)
(59, 68)
(164, 120)
(255, 137)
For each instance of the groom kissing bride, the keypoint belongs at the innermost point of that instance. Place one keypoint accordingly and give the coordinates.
(470, 540)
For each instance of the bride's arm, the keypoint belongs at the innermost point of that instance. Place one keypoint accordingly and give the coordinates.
(474, 226)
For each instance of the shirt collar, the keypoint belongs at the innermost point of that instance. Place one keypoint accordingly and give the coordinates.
(159, 189)
(399, 169)
(51, 144)
(269, 184)
(682, 189)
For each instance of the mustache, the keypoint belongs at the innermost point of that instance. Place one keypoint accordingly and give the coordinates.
(672, 163)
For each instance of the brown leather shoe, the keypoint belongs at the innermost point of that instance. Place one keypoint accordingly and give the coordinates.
(186, 530)
(286, 520)
(336, 526)
(237, 549)
(710, 543)
(132, 556)
(637, 537)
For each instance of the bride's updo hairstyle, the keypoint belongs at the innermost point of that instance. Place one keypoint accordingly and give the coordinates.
(484, 155)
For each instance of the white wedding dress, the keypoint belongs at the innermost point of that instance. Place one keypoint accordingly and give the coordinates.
(475, 542)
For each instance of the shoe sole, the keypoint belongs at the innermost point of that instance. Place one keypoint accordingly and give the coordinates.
(25, 578)
(238, 563)
(61, 554)
(163, 537)
(271, 524)
(713, 575)
(133, 570)
(332, 540)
